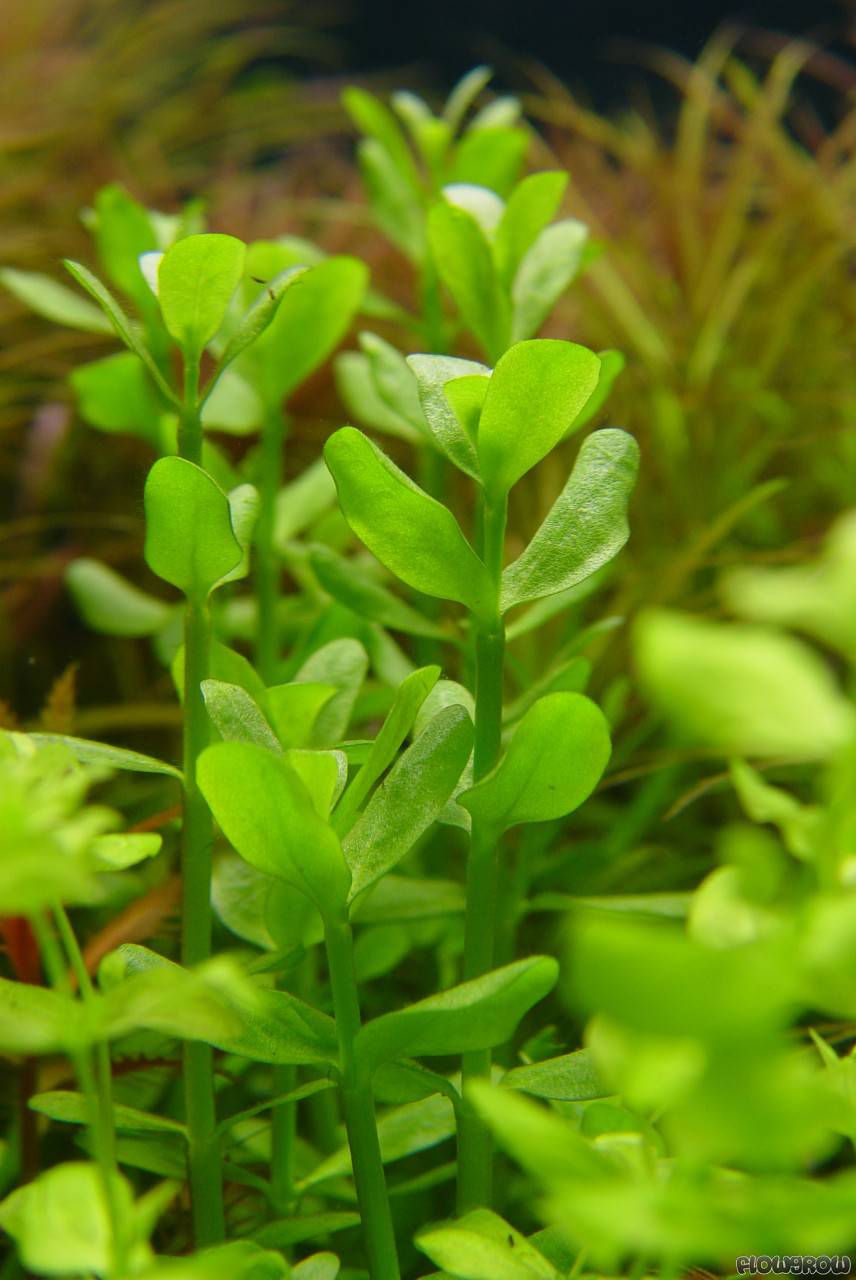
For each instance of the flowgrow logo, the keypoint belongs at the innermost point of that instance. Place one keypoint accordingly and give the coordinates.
(822, 1265)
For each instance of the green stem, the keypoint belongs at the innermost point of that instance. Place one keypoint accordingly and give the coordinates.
(268, 568)
(283, 1133)
(204, 1158)
(203, 1148)
(358, 1103)
(94, 1081)
(190, 427)
(474, 1144)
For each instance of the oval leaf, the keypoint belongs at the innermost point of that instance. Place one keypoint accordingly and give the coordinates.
(746, 690)
(475, 1015)
(553, 763)
(536, 391)
(416, 537)
(268, 815)
(196, 280)
(585, 527)
(190, 541)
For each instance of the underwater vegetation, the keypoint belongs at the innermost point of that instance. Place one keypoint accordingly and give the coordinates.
(426, 776)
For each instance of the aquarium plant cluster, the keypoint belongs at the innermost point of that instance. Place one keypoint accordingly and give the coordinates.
(363, 982)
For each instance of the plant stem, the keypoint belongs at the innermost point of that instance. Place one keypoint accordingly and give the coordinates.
(94, 1082)
(206, 1185)
(268, 568)
(474, 1143)
(283, 1132)
(203, 1147)
(358, 1102)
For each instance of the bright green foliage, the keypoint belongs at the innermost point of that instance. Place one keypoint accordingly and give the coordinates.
(409, 798)
(362, 592)
(433, 373)
(196, 280)
(742, 689)
(534, 394)
(268, 815)
(411, 533)
(531, 208)
(110, 604)
(465, 263)
(586, 526)
(116, 394)
(61, 1222)
(571, 1078)
(191, 538)
(475, 1015)
(554, 761)
(123, 231)
(482, 1246)
(54, 301)
(310, 322)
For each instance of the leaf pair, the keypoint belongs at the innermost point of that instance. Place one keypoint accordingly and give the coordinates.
(504, 265)
(197, 537)
(277, 820)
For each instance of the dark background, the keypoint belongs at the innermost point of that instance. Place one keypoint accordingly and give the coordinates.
(591, 44)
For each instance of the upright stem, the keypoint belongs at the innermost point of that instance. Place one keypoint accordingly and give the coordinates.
(206, 1186)
(358, 1103)
(203, 1148)
(268, 568)
(474, 1144)
(94, 1081)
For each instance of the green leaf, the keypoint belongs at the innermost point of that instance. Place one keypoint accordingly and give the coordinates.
(342, 664)
(243, 513)
(394, 380)
(480, 203)
(417, 1126)
(302, 501)
(404, 898)
(409, 799)
(256, 319)
(571, 1078)
(196, 280)
(482, 1246)
(53, 301)
(128, 331)
(360, 591)
(465, 263)
(35, 1020)
(799, 824)
(396, 206)
(432, 375)
(311, 321)
(61, 1223)
(491, 157)
(585, 528)
(319, 1266)
(231, 404)
(375, 120)
(409, 697)
(269, 817)
(217, 1004)
(123, 231)
(464, 94)
(357, 389)
(71, 1108)
(294, 708)
(116, 394)
(553, 763)
(119, 850)
(745, 690)
(531, 207)
(544, 274)
(415, 536)
(467, 397)
(534, 394)
(110, 604)
(611, 366)
(475, 1015)
(105, 753)
(190, 540)
(236, 717)
(238, 1260)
